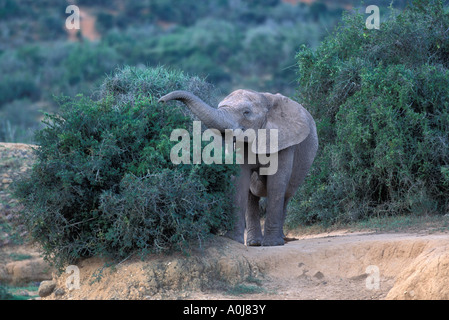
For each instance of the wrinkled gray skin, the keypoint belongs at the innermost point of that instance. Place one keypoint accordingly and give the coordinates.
(298, 143)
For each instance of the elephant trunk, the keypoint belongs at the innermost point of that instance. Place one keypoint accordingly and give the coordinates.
(213, 118)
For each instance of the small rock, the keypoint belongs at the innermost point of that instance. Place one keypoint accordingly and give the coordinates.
(46, 288)
(59, 292)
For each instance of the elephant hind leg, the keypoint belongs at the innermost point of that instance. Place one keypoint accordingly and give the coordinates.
(286, 239)
(253, 229)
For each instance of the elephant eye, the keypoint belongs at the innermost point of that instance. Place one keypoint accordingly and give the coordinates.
(246, 113)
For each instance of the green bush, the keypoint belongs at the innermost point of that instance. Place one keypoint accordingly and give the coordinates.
(381, 101)
(17, 86)
(89, 62)
(18, 119)
(4, 293)
(103, 183)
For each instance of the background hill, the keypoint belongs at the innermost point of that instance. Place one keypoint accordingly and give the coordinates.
(233, 43)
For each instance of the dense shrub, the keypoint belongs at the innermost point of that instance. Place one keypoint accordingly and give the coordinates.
(18, 120)
(103, 183)
(17, 86)
(4, 293)
(381, 101)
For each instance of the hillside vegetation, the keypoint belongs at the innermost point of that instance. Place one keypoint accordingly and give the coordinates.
(234, 44)
(381, 98)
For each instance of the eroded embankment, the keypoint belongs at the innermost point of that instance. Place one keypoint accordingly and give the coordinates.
(353, 266)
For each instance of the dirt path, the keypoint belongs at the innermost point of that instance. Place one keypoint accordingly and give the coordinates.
(336, 266)
(87, 27)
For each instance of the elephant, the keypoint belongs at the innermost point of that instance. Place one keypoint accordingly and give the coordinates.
(296, 149)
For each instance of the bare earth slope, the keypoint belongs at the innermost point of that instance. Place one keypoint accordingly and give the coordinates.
(344, 266)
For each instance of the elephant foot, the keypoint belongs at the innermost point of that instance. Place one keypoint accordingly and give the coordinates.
(254, 237)
(235, 236)
(272, 241)
(254, 242)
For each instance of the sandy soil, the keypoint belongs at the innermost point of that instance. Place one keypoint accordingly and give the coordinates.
(327, 266)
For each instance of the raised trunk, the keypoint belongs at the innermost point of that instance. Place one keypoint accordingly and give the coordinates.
(211, 117)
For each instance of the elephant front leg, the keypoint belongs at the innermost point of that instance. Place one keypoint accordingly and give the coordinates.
(273, 231)
(242, 182)
(253, 230)
(276, 192)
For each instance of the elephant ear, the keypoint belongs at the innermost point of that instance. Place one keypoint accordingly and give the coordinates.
(289, 118)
